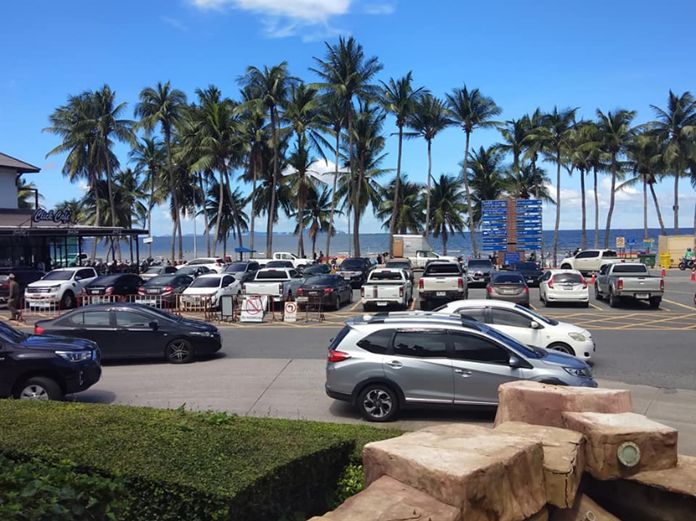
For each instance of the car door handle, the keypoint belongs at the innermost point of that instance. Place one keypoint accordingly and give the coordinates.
(395, 364)
(464, 373)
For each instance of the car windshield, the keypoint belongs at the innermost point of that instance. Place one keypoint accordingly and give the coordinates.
(321, 280)
(107, 280)
(629, 268)
(568, 278)
(237, 267)
(514, 344)
(442, 269)
(480, 264)
(528, 266)
(320, 268)
(206, 282)
(272, 275)
(542, 318)
(386, 275)
(154, 270)
(402, 265)
(162, 280)
(356, 264)
(59, 275)
(10, 334)
(508, 278)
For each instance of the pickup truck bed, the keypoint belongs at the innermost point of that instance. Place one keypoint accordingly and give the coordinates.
(385, 287)
(442, 282)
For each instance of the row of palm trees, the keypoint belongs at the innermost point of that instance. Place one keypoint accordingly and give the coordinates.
(194, 155)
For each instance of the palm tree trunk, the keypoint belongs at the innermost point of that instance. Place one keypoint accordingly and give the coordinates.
(469, 204)
(271, 212)
(235, 212)
(397, 186)
(97, 215)
(427, 192)
(301, 196)
(356, 188)
(218, 217)
(149, 211)
(356, 224)
(645, 209)
(583, 234)
(657, 209)
(172, 190)
(206, 221)
(611, 201)
(558, 206)
(596, 210)
(254, 168)
(314, 243)
(112, 206)
(444, 239)
(333, 194)
(676, 199)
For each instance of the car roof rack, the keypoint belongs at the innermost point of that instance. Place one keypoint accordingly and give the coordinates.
(410, 316)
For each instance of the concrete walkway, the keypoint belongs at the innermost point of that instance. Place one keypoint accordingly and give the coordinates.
(293, 388)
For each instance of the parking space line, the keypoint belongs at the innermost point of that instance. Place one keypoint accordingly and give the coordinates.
(531, 306)
(596, 306)
(355, 306)
(413, 305)
(650, 322)
(690, 308)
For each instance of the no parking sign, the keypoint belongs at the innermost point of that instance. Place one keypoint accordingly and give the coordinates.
(253, 308)
(290, 314)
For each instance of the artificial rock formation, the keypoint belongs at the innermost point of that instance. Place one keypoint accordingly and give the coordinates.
(564, 458)
(543, 404)
(584, 509)
(605, 433)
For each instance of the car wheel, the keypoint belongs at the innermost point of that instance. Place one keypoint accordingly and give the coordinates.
(597, 294)
(613, 299)
(39, 388)
(378, 403)
(424, 305)
(586, 304)
(179, 351)
(68, 300)
(561, 347)
(655, 302)
(337, 303)
(566, 266)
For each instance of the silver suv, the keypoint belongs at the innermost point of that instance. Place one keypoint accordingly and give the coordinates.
(382, 363)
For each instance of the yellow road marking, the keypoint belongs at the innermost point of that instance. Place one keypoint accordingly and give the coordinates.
(690, 308)
(531, 306)
(649, 322)
(413, 305)
(355, 306)
(596, 306)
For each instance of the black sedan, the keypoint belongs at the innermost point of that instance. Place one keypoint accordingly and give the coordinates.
(530, 271)
(120, 284)
(136, 331)
(331, 291)
(163, 291)
(45, 367)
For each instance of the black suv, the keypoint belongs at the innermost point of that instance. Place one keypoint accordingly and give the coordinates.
(355, 270)
(45, 367)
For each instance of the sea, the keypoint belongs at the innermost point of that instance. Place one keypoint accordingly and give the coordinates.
(373, 243)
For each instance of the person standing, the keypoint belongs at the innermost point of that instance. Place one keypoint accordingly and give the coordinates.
(14, 298)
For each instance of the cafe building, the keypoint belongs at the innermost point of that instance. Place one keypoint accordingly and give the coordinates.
(44, 238)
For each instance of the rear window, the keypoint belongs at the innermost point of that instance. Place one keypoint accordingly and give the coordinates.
(629, 268)
(568, 278)
(321, 280)
(271, 275)
(480, 264)
(442, 269)
(279, 264)
(206, 282)
(505, 278)
(386, 275)
(354, 264)
(610, 253)
(402, 265)
(237, 267)
(336, 341)
(162, 279)
(526, 266)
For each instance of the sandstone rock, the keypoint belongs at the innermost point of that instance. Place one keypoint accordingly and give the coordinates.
(543, 404)
(542, 515)
(450, 430)
(564, 458)
(584, 509)
(488, 477)
(679, 480)
(606, 432)
(389, 500)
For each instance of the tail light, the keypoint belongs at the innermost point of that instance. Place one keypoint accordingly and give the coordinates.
(167, 289)
(362, 292)
(109, 290)
(300, 292)
(280, 289)
(328, 291)
(421, 284)
(662, 285)
(460, 283)
(619, 284)
(583, 282)
(337, 356)
(489, 289)
(141, 290)
(526, 289)
(38, 330)
(550, 282)
(244, 289)
(401, 291)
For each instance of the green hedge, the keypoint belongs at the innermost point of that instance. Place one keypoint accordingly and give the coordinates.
(85, 461)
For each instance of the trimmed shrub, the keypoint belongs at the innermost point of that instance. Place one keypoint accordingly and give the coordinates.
(153, 464)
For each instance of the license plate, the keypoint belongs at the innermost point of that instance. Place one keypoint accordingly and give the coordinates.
(95, 292)
(381, 303)
(567, 288)
(642, 295)
(314, 293)
(152, 291)
(440, 293)
(346, 276)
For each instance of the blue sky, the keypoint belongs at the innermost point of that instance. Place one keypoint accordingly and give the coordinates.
(524, 54)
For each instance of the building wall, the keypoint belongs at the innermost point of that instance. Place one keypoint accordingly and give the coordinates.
(8, 188)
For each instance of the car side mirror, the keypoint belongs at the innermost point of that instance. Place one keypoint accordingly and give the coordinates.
(515, 362)
(154, 325)
(535, 325)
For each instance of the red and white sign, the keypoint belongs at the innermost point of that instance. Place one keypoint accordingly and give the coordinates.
(290, 314)
(253, 308)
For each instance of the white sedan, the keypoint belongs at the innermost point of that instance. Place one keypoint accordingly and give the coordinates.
(205, 291)
(526, 326)
(567, 286)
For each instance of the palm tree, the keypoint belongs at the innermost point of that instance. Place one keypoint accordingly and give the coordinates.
(299, 165)
(676, 126)
(410, 212)
(448, 205)
(514, 135)
(149, 158)
(270, 87)
(26, 193)
(233, 217)
(532, 181)
(347, 73)
(552, 136)
(317, 215)
(74, 207)
(615, 131)
(399, 98)
(579, 155)
(429, 117)
(471, 110)
(486, 180)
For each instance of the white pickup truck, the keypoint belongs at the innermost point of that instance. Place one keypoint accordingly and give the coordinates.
(386, 286)
(58, 288)
(589, 261)
(285, 256)
(617, 281)
(422, 258)
(278, 283)
(442, 282)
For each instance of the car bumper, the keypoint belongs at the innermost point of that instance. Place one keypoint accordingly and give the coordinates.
(382, 303)
(337, 396)
(442, 295)
(84, 377)
(567, 296)
(207, 345)
(41, 301)
(522, 298)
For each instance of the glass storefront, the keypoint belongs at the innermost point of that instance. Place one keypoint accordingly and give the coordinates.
(36, 251)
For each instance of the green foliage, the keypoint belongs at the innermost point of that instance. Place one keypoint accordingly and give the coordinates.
(350, 483)
(85, 461)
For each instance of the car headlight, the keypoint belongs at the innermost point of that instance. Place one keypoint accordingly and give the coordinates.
(584, 372)
(579, 337)
(75, 356)
(203, 333)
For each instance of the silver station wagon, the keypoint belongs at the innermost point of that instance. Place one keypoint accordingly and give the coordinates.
(386, 362)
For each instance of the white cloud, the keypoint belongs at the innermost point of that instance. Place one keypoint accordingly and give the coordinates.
(173, 22)
(380, 8)
(321, 170)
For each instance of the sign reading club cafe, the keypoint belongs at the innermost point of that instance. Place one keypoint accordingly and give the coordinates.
(55, 216)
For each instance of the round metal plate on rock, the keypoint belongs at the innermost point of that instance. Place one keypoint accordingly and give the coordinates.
(628, 454)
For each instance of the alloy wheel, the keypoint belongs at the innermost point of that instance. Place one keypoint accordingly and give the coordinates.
(33, 392)
(377, 403)
(179, 351)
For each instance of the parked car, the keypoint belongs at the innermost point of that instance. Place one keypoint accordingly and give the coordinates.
(243, 271)
(479, 271)
(526, 326)
(45, 368)
(589, 261)
(563, 286)
(441, 282)
(156, 271)
(422, 257)
(24, 277)
(206, 290)
(355, 271)
(136, 331)
(384, 364)
(280, 264)
(58, 288)
(508, 285)
(531, 271)
(316, 269)
(401, 264)
(386, 287)
(630, 280)
(195, 271)
(163, 291)
(331, 290)
(279, 283)
(216, 264)
(107, 286)
(285, 256)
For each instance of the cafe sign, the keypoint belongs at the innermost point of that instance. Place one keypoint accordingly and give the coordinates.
(55, 216)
